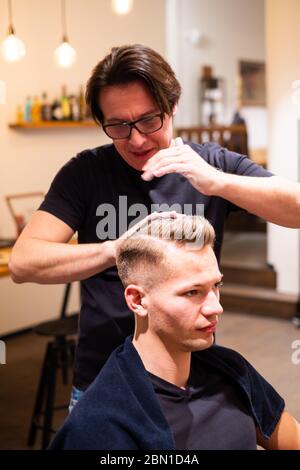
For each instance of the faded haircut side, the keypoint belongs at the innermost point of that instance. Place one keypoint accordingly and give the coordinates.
(142, 256)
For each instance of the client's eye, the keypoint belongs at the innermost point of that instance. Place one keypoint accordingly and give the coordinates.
(191, 293)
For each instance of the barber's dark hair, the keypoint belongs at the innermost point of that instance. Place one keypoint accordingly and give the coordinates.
(132, 63)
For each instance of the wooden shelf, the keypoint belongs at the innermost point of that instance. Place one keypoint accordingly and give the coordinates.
(54, 125)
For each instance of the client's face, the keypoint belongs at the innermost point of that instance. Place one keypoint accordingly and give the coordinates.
(183, 310)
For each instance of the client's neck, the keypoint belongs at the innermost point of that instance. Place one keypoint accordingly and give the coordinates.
(161, 359)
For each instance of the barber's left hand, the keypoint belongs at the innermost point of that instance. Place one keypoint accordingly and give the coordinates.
(181, 158)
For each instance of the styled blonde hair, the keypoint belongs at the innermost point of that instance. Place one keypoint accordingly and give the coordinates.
(145, 249)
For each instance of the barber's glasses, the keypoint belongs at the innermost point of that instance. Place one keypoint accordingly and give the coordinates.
(145, 125)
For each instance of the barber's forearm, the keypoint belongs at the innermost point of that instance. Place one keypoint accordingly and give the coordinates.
(46, 262)
(274, 199)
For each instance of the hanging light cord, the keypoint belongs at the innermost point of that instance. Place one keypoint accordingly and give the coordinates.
(10, 27)
(63, 20)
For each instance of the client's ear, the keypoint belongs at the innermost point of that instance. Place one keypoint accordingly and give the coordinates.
(134, 298)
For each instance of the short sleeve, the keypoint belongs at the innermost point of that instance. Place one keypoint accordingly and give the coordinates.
(229, 162)
(267, 404)
(66, 198)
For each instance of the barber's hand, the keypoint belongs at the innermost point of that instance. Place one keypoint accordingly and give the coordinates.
(146, 220)
(141, 224)
(181, 158)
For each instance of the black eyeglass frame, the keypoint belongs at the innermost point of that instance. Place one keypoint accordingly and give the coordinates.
(132, 124)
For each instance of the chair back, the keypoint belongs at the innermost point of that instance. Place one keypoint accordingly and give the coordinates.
(232, 137)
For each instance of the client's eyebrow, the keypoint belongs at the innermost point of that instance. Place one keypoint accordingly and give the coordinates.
(197, 285)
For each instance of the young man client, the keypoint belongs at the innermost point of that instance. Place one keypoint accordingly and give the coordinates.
(169, 386)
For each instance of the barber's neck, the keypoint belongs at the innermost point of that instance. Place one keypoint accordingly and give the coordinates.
(163, 359)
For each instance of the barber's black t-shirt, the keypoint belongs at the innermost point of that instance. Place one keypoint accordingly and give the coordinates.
(211, 413)
(98, 186)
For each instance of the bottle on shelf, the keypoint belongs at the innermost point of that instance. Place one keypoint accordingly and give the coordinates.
(27, 110)
(36, 114)
(75, 112)
(65, 105)
(56, 111)
(46, 112)
(38, 109)
(19, 115)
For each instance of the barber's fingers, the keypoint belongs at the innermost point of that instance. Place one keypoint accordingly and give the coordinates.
(163, 215)
(172, 151)
(178, 142)
(146, 220)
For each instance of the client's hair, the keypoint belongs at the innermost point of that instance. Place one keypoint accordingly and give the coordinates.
(145, 250)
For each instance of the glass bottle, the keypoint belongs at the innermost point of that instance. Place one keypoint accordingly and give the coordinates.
(36, 110)
(65, 105)
(56, 111)
(19, 115)
(46, 112)
(75, 112)
(27, 110)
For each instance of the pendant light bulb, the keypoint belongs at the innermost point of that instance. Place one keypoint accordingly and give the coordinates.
(12, 48)
(122, 7)
(64, 54)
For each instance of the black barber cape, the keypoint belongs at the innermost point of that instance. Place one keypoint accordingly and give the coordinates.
(120, 411)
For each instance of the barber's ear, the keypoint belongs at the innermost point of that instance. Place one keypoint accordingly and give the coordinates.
(134, 296)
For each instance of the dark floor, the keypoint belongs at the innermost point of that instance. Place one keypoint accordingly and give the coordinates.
(18, 384)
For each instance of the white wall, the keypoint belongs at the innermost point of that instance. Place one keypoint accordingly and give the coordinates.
(29, 160)
(231, 30)
(283, 37)
(234, 30)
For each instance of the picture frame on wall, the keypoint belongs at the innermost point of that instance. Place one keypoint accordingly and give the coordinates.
(22, 206)
(252, 82)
